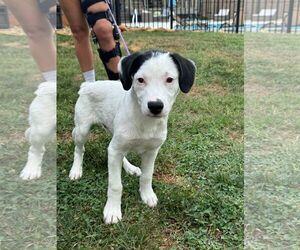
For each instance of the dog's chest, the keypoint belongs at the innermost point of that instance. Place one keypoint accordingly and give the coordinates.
(140, 138)
(141, 145)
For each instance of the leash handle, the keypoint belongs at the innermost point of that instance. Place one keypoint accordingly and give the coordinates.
(118, 29)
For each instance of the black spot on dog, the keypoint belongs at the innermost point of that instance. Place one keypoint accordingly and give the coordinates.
(132, 63)
(187, 71)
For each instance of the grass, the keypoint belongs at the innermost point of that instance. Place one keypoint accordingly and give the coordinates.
(28, 209)
(199, 170)
(272, 176)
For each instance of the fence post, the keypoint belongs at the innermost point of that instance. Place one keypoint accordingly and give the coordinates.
(59, 24)
(290, 16)
(238, 10)
(118, 11)
(171, 14)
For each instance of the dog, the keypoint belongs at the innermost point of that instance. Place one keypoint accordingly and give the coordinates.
(135, 110)
(42, 121)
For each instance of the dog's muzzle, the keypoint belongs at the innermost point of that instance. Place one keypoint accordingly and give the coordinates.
(155, 107)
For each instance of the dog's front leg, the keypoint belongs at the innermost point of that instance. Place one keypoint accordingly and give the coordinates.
(147, 194)
(112, 210)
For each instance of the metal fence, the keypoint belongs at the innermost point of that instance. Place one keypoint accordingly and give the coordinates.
(278, 16)
(211, 15)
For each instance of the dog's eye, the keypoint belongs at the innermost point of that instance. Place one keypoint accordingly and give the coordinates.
(141, 80)
(169, 79)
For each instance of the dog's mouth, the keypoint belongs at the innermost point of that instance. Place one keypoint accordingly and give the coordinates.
(156, 116)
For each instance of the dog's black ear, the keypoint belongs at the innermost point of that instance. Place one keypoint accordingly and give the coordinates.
(187, 70)
(127, 68)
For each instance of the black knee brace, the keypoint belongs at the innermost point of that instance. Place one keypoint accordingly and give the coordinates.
(105, 56)
(92, 18)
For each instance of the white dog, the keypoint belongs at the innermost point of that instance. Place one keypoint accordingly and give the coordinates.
(42, 120)
(137, 118)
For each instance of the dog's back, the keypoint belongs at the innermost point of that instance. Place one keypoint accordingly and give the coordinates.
(99, 101)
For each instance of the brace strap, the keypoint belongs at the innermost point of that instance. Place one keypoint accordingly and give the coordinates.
(92, 18)
(85, 4)
(107, 55)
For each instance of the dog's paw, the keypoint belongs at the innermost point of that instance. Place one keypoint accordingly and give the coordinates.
(112, 214)
(31, 173)
(134, 171)
(131, 169)
(75, 173)
(149, 198)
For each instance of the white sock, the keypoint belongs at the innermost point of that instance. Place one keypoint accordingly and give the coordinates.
(50, 76)
(89, 76)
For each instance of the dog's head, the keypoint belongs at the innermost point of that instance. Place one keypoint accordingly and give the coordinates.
(156, 78)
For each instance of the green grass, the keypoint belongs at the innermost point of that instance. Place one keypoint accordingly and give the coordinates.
(28, 209)
(199, 170)
(272, 148)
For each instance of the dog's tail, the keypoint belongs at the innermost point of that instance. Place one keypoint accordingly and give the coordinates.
(46, 88)
(87, 88)
(91, 90)
(99, 90)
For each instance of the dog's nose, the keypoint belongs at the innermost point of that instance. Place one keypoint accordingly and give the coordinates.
(155, 107)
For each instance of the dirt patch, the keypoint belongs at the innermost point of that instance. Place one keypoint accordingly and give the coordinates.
(17, 137)
(66, 45)
(136, 46)
(283, 137)
(64, 31)
(16, 31)
(65, 137)
(167, 243)
(168, 240)
(196, 90)
(15, 45)
(95, 136)
(219, 54)
(170, 178)
(216, 89)
(215, 233)
(123, 28)
(257, 90)
(159, 29)
(236, 136)
(78, 77)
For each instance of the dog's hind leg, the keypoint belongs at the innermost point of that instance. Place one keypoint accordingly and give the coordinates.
(131, 169)
(80, 135)
(42, 120)
(37, 137)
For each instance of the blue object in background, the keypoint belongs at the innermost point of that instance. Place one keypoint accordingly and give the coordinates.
(173, 2)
